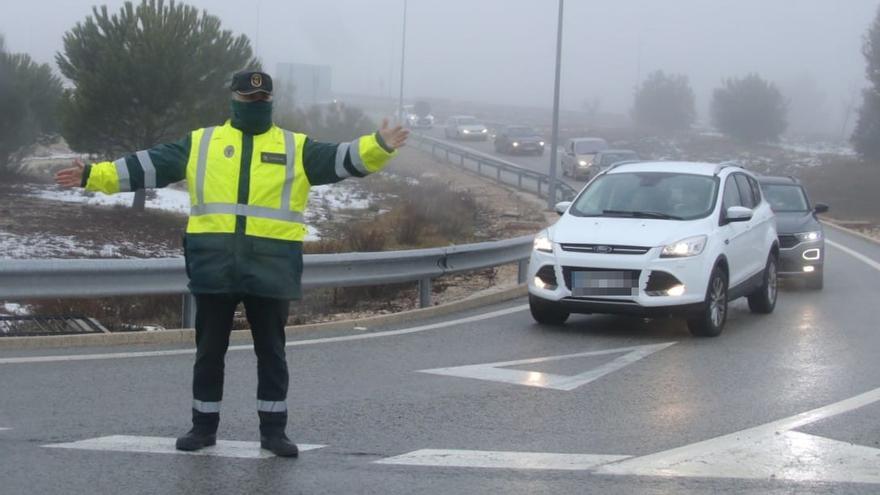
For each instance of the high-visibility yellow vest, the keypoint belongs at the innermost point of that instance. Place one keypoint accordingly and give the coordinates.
(278, 189)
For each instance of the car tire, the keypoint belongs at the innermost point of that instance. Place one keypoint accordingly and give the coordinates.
(816, 281)
(709, 322)
(545, 312)
(763, 300)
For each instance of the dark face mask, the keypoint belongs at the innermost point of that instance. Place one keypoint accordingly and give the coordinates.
(252, 117)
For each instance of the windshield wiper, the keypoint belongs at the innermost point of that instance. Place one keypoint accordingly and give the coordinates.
(641, 214)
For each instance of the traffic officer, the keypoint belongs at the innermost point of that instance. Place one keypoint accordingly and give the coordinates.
(248, 183)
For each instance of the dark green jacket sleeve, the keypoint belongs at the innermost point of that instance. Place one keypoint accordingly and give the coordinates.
(157, 167)
(327, 163)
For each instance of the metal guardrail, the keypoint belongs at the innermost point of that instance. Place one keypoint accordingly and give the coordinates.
(41, 279)
(504, 172)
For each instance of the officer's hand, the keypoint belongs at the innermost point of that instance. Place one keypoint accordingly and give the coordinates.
(394, 137)
(71, 177)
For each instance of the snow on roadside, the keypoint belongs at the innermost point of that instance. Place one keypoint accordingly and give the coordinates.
(43, 246)
(166, 199)
(14, 309)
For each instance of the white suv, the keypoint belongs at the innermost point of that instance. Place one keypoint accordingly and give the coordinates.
(658, 238)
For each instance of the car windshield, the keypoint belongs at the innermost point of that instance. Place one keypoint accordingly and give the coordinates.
(520, 131)
(590, 146)
(663, 195)
(611, 158)
(785, 198)
(467, 121)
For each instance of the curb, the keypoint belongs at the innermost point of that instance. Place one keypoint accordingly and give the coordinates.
(187, 335)
(851, 231)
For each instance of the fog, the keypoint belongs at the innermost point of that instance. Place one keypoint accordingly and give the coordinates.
(502, 51)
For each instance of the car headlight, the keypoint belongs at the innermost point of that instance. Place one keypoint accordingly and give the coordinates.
(541, 143)
(684, 248)
(466, 131)
(583, 163)
(515, 144)
(809, 236)
(484, 131)
(542, 243)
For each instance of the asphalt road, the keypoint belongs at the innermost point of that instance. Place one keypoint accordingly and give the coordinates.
(665, 413)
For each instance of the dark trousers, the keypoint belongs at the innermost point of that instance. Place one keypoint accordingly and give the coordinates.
(267, 318)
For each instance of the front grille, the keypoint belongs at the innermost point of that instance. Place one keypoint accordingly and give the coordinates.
(604, 249)
(628, 274)
(787, 241)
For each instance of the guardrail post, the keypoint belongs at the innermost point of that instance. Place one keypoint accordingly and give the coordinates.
(447, 155)
(425, 293)
(498, 175)
(539, 187)
(461, 162)
(523, 268)
(188, 319)
(519, 181)
(479, 167)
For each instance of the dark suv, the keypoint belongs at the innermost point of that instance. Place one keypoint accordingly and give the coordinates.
(519, 139)
(801, 237)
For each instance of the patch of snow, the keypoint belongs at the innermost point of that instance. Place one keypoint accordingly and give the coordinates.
(166, 199)
(43, 246)
(15, 309)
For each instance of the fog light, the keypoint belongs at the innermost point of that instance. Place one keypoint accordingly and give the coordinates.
(675, 291)
(812, 254)
(540, 283)
(809, 269)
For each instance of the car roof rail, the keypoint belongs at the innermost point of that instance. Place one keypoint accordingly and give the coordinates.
(729, 163)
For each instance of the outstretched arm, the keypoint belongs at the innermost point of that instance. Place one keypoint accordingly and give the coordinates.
(148, 169)
(326, 163)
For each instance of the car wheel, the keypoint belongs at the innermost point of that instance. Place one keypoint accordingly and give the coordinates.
(545, 312)
(710, 321)
(763, 300)
(817, 280)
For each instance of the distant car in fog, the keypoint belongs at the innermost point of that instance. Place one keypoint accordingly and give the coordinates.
(578, 156)
(418, 116)
(519, 139)
(465, 127)
(801, 236)
(607, 158)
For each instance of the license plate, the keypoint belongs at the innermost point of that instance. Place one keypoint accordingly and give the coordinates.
(604, 283)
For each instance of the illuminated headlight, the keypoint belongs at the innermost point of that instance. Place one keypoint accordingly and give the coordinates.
(515, 144)
(583, 163)
(542, 243)
(541, 143)
(692, 246)
(466, 131)
(675, 291)
(484, 131)
(809, 236)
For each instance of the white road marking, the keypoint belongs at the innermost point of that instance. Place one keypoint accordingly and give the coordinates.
(5, 429)
(293, 343)
(772, 450)
(497, 372)
(855, 254)
(162, 445)
(501, 460)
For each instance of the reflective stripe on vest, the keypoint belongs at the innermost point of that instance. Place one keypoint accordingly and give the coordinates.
(246, 210)
(202, 166)
(290, 151)
(341, 152)
(122, 174)
(148, 168)
(356, 158)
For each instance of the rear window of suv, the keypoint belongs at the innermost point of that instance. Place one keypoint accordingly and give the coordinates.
(648, 195)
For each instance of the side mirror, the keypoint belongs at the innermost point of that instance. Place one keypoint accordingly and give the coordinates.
(562, 206)
(738, 214)
(821, 208)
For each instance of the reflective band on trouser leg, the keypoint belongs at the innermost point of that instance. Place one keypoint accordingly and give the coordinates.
(356, 159)
(271, 406)
(149, 170)
(202, 165)
(341, 151)
(122, 174)
(290, 150)
(246, 210)
(206, 407)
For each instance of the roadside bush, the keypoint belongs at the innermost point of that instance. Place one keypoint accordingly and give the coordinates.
(117, 314)
(866, 137)
(664, 103)
(749, 109)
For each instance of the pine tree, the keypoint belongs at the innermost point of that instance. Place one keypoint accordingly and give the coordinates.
(665, 103)
(146, 75)
(749, 109)
(866, 137)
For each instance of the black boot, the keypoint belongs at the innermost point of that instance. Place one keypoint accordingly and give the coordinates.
(272, 436)
(203, 433)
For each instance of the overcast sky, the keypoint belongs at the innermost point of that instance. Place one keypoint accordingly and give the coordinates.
(503, 50)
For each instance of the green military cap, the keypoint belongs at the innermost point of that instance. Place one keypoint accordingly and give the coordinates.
(249, 82)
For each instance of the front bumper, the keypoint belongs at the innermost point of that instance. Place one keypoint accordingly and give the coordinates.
(794, 260)
(692, 273)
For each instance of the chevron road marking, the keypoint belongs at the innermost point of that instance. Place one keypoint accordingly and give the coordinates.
(162, 445)
(498, 372)
(501, 460)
